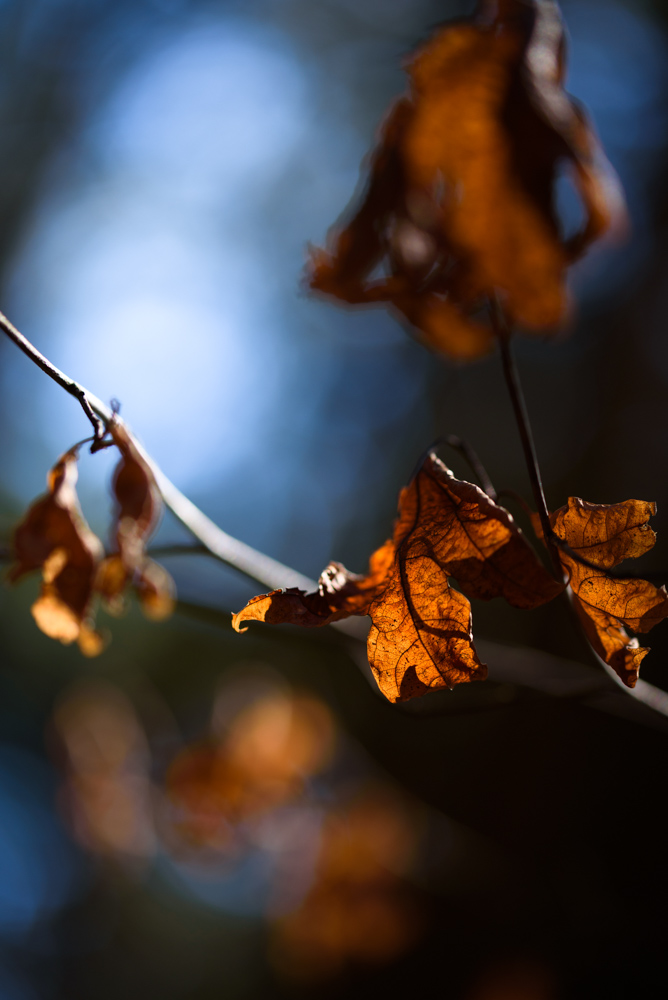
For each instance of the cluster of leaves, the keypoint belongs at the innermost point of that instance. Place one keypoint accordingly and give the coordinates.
(458, 231)
(54, 537)
(460, 202)
(420, 638)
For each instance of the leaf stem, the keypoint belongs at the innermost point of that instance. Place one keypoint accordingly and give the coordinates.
(524, 427)
(477, 468)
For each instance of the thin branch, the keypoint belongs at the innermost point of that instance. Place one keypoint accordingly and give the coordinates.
(519, 500)
(267, 571)
(166, 551)
(471, 456)
(64, 381)
(522, 418)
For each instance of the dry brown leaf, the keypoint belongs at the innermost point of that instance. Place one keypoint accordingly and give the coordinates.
(460, 203)
(420, 637)
(605, 535)
(139, 508)
(475, 539)
(55, 538)
(340, 595)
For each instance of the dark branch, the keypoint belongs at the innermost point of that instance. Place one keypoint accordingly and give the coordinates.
(66, 383)
(471, 456)
(526, 436)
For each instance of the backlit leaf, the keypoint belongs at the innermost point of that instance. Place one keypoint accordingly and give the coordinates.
(475, 539)
(340, 594)
(605, 535)
(55, 538)
(138, 511)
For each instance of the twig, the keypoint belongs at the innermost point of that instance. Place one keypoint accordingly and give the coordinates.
(63, 380)
(519, 500)
(267, 571)
(471, 456)
(166, 551)
(522, 418)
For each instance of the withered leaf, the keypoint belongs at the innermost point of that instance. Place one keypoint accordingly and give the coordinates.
(420, 637)
(54, 537)
(460, 202)
(139, 508)
(475, 539)
(340, 595)
(605, 535)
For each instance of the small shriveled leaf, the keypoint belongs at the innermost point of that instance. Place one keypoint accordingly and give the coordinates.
(286, 607)
(139, 508)
(55, 538)
(605, 535)
(340, 595)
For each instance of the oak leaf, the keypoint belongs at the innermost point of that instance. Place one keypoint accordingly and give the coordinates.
(605, 535)
(460, 201)
(54, 537)
(420, 637)
(139, 509)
